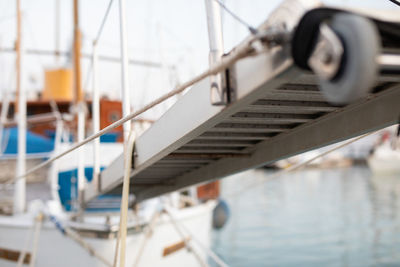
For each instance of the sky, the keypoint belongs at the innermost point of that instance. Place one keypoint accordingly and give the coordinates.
(171, 32)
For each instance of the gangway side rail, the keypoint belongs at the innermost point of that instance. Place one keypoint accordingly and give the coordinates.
(368, 115)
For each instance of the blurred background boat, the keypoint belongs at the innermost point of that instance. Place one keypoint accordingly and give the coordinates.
(385, 154)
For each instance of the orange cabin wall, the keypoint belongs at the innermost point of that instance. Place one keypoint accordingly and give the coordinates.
(111, 111)
(208, 191)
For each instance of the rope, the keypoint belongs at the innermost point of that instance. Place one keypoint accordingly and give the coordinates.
(185, 239)
(67, 231)
(298, 166)
(35, 231)
(121, 240)
(74, 236)
(147, 235)
(96, 40)
(39, 222)
(210, 253)
(100, 31)
(251, 29)
(245, 50)
(24, 251)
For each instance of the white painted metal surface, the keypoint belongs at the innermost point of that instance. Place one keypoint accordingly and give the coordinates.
(126, 103)
(81, 151)
(3, 117)
(96, 117)
(56, 249)
(215, 39)
(55, 166)
(20, 184)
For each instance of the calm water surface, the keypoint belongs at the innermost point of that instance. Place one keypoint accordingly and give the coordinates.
(339, 217)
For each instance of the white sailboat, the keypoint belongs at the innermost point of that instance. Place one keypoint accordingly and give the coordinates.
(385, 157)
(44, 223)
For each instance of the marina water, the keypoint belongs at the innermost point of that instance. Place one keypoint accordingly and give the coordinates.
(334, 217)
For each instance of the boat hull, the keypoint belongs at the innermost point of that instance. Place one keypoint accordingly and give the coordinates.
(55, 249)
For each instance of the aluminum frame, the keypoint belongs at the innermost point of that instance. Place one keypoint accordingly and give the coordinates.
(277, 112)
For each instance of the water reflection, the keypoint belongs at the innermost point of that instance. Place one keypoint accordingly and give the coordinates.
(341, 217)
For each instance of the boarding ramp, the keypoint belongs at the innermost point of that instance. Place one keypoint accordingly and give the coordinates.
(276, 110)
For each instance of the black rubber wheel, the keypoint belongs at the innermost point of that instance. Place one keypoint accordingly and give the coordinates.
(359, 70)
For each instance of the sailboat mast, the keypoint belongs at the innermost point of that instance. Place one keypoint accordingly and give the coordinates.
(78, 96)
(214, 23)
(57, 30)
(96, 118)
(126, 103)
(20, 111)
(78, 102)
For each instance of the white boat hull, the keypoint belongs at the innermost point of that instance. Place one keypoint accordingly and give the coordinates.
(385, 165)
(55, 249)
(385, 160)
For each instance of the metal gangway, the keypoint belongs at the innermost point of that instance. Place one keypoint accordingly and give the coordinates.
(310, 76)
